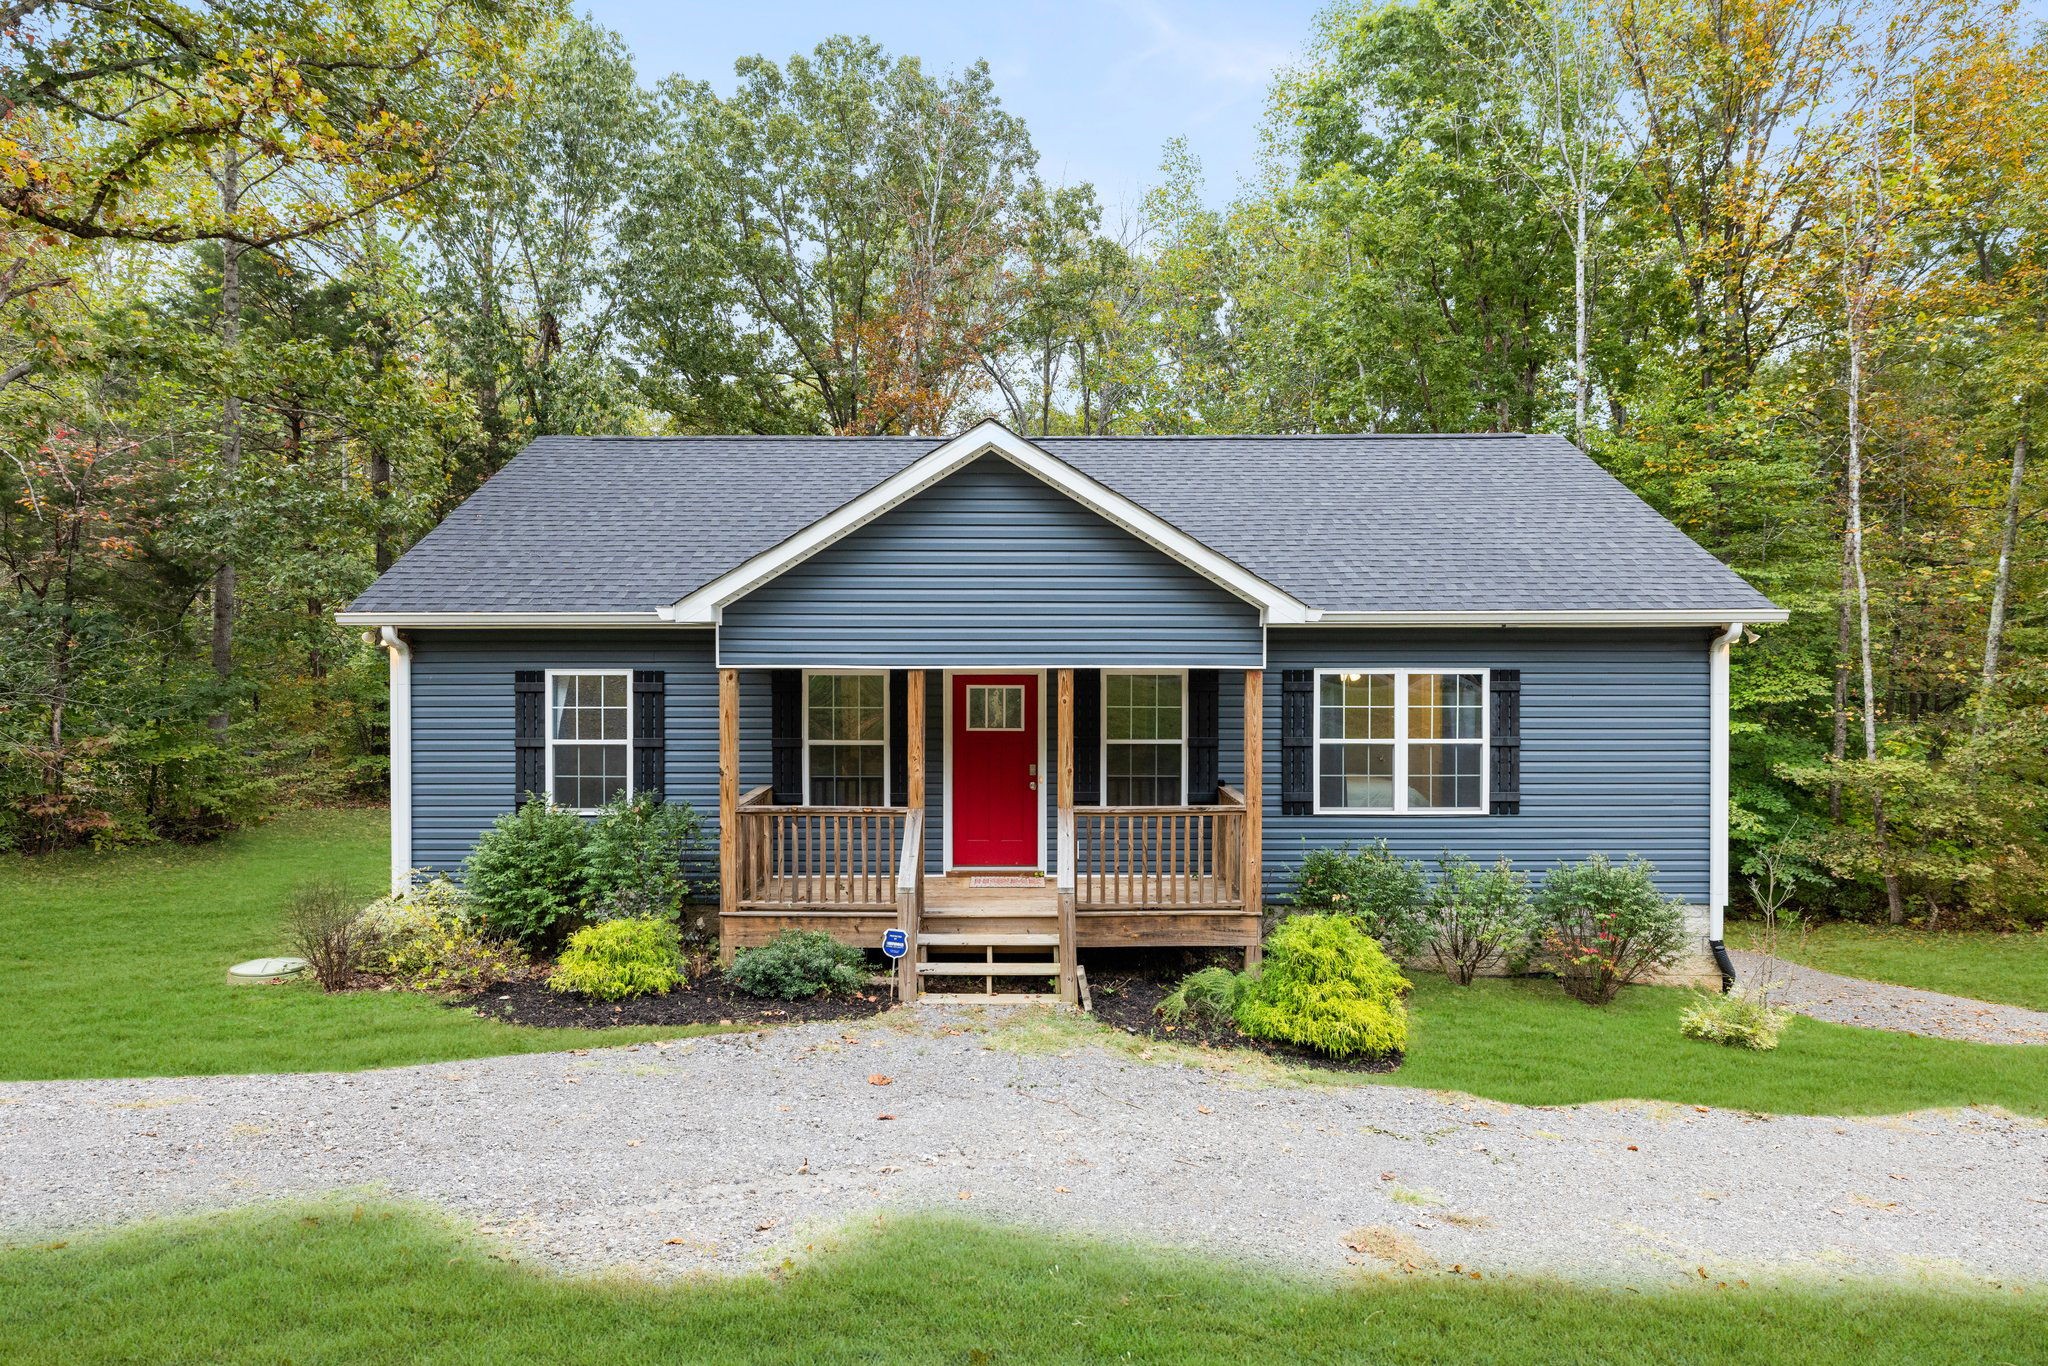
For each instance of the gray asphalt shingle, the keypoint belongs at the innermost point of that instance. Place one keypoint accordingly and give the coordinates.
(1345, 523)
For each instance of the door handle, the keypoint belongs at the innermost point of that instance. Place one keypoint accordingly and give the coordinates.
(1034, 784)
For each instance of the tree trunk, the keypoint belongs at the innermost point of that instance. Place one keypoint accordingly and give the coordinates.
(1579, 340)
(2001, 582)
(1895, 904)
(1845, 646)
(223, 642)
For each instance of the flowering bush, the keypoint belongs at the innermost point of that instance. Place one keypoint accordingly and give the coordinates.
(1476, 915)
(615, 959)
(1383, 893)
(456, 956)
(1739, 1020)
(1605, 924)
(387, 925)
(1325, 985)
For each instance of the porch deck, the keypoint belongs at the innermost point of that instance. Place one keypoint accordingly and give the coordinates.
(1126, 877)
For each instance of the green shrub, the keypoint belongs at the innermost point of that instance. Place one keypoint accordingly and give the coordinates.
(1384, 893)
(615, 959)
(1739, 1020)
(1605, 924)
(1476, 915)
(633, 863)
(797, 964)
(526, 874)
(388, 926)
(453, 955)
(1326, 985)
(1207, 997)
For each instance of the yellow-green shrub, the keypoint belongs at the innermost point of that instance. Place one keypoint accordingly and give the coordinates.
(618, 958)
(1326, 985)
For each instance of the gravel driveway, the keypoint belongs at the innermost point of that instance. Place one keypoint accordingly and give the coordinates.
(1880, 1005)
(724, 1152)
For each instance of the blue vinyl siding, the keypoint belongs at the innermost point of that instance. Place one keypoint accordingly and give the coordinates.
(462, 723)
(1615, 749)
(989, 567)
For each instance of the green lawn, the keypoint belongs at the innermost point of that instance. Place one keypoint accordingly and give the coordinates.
(1985, 964)
(1526, 1042)
(115, 965)
(331, 1282)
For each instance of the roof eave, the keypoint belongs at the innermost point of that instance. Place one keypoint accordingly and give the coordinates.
(485, 620)
(1707, 616)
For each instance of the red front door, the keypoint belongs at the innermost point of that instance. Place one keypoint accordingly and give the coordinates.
(995, 771)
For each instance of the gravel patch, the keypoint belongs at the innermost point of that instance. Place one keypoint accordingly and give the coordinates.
(1880, 1005)
(728, 1152)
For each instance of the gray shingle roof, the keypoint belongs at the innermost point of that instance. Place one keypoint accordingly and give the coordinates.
(1345, 523)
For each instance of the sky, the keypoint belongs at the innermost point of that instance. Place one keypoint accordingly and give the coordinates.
(1101, 86)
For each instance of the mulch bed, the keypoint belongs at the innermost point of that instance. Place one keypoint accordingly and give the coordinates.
(1127, 992)
(706, 1001)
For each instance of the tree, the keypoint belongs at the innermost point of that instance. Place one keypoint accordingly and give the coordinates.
(818, 250)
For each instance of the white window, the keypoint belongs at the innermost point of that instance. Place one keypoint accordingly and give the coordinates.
(1144, 739)
(1401, 740)
(846, 739)
(590, 749)
(995, 706)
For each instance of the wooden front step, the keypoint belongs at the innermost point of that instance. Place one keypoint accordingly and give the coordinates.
(975, 939)
(1001, 967)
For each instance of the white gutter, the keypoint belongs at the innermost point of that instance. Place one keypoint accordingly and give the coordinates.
(1717, 792)
(483, 620)
(401, 755)
(1589, 617)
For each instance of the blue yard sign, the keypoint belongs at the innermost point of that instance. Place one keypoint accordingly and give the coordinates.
(895, 943)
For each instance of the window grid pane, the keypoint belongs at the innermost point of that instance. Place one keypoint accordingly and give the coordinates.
(847, 707)
(1142, 707)
(587, 733)
(846, 775)
(995, 707)
(1429, 731)
(1144, 774)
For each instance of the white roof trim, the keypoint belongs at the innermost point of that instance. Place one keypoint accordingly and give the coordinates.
(1592, 617)
(701, 607)
(458, 620)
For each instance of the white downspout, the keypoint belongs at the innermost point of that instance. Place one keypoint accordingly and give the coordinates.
(400, 651)
(1717, 797)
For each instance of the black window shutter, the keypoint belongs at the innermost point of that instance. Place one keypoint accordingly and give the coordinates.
(529, 735)
(1203, 773)
(1297, 741)
(786, 735)
(650, 733)
(1087, 737)
(1507, 742)
(899, 736)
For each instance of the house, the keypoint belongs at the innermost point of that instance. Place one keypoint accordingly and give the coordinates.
(1027, 697)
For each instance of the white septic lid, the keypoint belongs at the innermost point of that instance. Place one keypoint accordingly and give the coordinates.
(268, 967)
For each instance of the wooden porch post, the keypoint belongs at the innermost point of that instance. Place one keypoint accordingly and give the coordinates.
(1254, 803)
(913, 720)
(728, 801)
(1070, 963)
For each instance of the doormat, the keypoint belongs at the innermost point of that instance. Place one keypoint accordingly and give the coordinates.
(1005, 881)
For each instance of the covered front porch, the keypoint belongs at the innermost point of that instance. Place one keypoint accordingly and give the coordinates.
(986, 919)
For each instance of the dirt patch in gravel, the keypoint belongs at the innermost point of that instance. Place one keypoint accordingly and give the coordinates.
(709, 1000)
(1126, 996)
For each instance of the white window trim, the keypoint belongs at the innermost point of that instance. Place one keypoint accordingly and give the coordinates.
(1400, 743)
(547, 720)
(882, 674)
(1102, 728)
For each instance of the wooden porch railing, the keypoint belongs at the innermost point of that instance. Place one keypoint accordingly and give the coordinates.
(817, 857)
(1164, 857)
